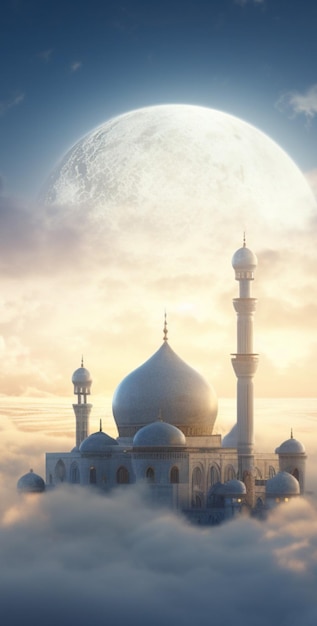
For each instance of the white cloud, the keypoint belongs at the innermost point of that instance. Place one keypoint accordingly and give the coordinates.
(299, 103)
(46, 55)
(74, 559)
(242, 3)
(75, 66)
(9, 103)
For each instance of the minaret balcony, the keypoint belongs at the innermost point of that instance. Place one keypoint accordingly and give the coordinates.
(245, 306)
(245, 365)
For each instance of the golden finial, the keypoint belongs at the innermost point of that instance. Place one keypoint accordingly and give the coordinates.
(165, 331)
(244, 242)
(100, 425)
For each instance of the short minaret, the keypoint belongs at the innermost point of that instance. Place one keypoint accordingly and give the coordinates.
(292, 459)
(245, 363)
(82, 381)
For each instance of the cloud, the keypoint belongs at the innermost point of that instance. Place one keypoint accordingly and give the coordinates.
(75, 66)
(70, 556)
(46, 55)
(9, 103)
(58, 259)
(242, 3)
(299, 103)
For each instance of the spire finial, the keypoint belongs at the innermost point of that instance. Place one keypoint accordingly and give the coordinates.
(100, 425)
(82, 361)
(165, 331)
(160, 417)
(244, 242)
(292, 434)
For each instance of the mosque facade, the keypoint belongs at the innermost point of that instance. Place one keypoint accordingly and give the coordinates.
(165, 414)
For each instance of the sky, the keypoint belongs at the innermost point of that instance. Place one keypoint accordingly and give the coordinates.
(67, 68)
(70, 287)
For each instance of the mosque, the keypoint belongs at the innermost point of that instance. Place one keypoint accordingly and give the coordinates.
(165, 414)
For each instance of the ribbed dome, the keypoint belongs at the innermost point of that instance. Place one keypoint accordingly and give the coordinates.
(97, 443)
(165, 386)
(291, 446)
(159, 434)
(31, 483)
(282, 484)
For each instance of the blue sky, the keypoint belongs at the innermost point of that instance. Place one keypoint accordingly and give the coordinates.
(66, 67)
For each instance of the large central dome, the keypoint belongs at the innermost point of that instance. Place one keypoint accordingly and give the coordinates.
(166, 387)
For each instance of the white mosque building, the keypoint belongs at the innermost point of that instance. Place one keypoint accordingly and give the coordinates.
(165, 414)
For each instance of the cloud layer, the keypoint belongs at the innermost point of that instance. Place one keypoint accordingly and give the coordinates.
(72, 557)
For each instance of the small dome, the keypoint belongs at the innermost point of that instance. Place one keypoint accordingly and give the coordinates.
(282, 484)
(31, 483)
(291, 446)
(244, 259)
(231, 488)
(81, 376)
(159, 434)
(97, 443)
(235, 487)
(165, 385)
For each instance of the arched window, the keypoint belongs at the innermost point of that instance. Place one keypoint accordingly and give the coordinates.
(296, 473)
(123, 476)
(60, 471)
(92, 475)
(229, 473)
(271, 471)
(197, 478)
(74, 474)
(150, 475)
(174, 477)
(214, 475)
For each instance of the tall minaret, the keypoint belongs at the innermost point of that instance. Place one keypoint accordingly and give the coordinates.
(245, 363)
(81, 380)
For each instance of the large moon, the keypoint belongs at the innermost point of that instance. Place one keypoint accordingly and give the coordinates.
(178, 166)
(159, 199)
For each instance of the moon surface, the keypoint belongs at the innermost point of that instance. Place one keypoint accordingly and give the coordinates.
(178, 168)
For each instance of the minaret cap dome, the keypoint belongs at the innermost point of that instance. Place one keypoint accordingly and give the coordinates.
(291, 446)
(165, 386)
(244, 259)
(81, 376)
